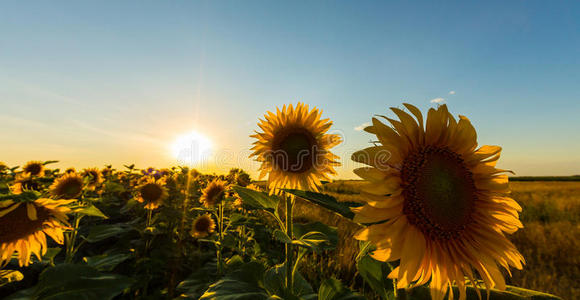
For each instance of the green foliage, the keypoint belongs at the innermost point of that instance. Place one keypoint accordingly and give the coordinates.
(374, 272)
(101, 232)
(327, 201)
(123, 251)
(333, 289)
(255, 199)
(106, 262)
(67, 281)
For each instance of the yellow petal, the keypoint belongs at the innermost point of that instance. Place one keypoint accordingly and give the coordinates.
(412, 255)
(31, 209)
(380, 201)
(371, 174)
(369, 214)
(8, 210)
(377, 157)
(385, 187)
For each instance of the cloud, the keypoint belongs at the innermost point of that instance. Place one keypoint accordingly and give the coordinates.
(135, 136)
(452, 93)
(438, 100)
(362, 126)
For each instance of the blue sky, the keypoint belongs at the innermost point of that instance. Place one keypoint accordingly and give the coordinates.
(91, 83)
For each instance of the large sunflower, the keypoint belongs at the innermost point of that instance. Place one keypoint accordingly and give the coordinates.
(213, 193)
(24, 226)
(68, 186)
(152, 192)
(294, 148)
(445, 204)
(202, 226)
(34, 168)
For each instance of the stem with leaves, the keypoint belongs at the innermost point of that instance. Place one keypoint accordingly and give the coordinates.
(220, 217)
(147, 225)
(71, 237)
(289, 247)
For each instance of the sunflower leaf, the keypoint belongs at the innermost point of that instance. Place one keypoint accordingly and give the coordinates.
(244, 283)
(316, 236)
(374, 273)
(333, 289)
(106, 262)
(69, 281)
(257, 199)
(101, 232)
(91, 211)
(326, 201)
(274, 283)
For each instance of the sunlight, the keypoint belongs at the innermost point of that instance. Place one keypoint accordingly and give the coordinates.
(191, 148)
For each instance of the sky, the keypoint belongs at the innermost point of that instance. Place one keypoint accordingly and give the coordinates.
(91, 83)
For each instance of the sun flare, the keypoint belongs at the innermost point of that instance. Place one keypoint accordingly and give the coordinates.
(191, 148)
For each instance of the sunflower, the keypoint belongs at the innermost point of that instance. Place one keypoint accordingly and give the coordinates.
(238, 203)
(23, 182)
(443, 205)
(294, 148)
(24, 226)
(94, 176)
(70, 170)
(213, 193)
(3, 167)
(33, 168)
(67, 186)
(107, 171)
(152, 192)
(202, 226)
(194, 173)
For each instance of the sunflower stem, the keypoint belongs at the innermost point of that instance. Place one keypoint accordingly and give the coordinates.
(71, 240)
(148, 239)
(289, 246)
(220, 237)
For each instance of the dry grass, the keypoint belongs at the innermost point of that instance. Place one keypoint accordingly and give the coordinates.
(550, 239)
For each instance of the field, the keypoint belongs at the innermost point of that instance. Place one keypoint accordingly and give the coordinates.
(178, 234)
(550, 239)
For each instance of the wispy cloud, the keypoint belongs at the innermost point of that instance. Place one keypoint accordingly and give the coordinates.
(362, 126)
(135, 136)
(438, 100)
(451, 92)
(19, 121)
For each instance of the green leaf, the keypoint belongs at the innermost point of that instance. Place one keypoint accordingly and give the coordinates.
(8, 276)
(50, 254)
(327, 201)
(92, 211)
(282, 236)
(274, 281)
(106, 262)
(316, 235)
(101, 232)
(257, 199)
(242, 284)
(68, 281)
(198, 281)
(332, 289)
(374, 272)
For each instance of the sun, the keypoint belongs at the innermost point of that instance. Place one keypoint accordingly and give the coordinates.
(191, 148)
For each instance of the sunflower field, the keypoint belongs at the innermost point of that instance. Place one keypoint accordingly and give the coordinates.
(433, 217)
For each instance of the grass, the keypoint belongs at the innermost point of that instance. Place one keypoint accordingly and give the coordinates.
(550, 239)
